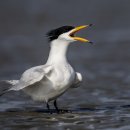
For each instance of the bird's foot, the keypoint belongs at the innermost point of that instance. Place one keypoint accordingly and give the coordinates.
(62, 111)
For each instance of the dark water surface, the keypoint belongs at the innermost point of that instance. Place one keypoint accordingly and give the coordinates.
(103, 100)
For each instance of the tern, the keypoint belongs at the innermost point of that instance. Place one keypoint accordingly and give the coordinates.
(47, 82)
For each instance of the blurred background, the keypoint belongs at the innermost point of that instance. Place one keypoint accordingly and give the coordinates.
(105, 66)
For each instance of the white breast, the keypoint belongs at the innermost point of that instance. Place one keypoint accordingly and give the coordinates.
(62, 77)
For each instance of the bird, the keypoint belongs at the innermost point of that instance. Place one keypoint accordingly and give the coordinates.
(47, 82)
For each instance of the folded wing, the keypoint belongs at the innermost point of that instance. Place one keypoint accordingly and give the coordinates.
(32, 76)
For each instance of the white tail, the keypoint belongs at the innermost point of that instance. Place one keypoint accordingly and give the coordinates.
(11, 83)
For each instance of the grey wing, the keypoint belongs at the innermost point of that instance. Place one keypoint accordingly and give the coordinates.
(32, 76)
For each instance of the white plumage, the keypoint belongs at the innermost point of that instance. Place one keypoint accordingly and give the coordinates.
(49, 81)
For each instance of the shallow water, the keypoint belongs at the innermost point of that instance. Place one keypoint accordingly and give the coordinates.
(103, 100)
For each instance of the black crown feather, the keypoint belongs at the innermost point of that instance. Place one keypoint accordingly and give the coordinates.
(54, 34)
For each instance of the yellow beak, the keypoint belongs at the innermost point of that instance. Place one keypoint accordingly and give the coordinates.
(76, 30)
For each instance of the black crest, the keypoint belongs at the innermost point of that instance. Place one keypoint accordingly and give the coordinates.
(53, 34)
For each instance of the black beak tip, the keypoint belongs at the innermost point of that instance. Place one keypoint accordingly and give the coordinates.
(90, 25)
(91, 42)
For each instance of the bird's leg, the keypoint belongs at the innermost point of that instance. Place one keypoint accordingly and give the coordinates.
(48, 107)
(60, 110)
(56, 107)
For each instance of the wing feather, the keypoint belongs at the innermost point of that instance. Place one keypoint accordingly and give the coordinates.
(32, 76)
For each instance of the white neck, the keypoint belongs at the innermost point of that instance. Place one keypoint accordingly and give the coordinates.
(58, 52)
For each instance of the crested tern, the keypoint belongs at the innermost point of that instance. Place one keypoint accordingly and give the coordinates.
(49, 81)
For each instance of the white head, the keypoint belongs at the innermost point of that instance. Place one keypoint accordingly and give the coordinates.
(67, 33)
(60, 38)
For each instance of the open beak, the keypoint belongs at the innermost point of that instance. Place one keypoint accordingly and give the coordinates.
(76, 29)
